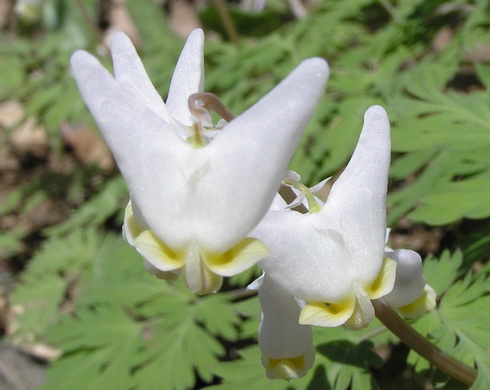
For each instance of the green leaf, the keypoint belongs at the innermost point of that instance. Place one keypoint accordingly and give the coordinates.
(176, 347)
(112, 339)
(460, 324)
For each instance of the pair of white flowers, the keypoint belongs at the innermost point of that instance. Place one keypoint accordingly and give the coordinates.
(204, 201)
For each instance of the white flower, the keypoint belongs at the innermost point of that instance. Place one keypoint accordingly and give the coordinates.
(29, 10)
(411, 295)
(194, 197)
(287, 346)
(333, 257)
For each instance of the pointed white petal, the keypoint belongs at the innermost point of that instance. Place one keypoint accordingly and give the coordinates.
(130, 73)
(359, 197)
(252, 152)
(148, 151)
(188, 77)
(287, 346)
(307, 262)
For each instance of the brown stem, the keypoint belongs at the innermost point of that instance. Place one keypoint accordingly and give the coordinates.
(436, 356)
(228, 24)
(289, 195)
(88, 19)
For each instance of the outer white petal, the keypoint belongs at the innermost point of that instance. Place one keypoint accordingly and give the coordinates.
(410, 280)
(359, 197)
(252, 152)
(130, 73)
(188, 77)
(148, 151)
(307, 262)
(280, 334)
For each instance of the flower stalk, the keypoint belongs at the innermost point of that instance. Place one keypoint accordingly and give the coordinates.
(436, 356)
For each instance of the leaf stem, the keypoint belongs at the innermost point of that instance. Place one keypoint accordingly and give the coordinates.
(436, 356)
(88, 19)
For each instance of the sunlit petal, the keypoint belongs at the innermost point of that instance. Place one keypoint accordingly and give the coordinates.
(131, 74)
(277, 121)
(287, 347)
(188, 77)
(359, 196)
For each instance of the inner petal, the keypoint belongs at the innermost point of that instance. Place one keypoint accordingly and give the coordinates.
(197, 276)
(363, 312)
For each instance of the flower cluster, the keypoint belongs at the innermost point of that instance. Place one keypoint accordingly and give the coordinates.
(209, 201)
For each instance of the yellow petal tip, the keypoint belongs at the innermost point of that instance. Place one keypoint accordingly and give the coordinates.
(425, 303)
(326, 314)
(286, 368)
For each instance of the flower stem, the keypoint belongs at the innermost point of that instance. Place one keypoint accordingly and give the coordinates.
(436, 356)
(88, 19)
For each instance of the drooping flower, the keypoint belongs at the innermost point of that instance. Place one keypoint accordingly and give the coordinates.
(411, 295)
(333, 256)
(287, 346)
(196, 192)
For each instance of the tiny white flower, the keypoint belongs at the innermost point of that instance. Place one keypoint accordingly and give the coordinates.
(333, 257)
(195, 192)
(29, 10)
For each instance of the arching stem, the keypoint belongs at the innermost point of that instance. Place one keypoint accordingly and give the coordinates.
(436, 356)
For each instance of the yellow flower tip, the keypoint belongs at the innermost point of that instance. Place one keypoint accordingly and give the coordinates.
(131, 229)
(236, 259)
(157, 253)
(285, 368)
(327, 314)
(423, 304)
(385, 281)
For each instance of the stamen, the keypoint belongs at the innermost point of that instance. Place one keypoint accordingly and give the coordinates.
(313, 205)
(209, 102)
(197, 140)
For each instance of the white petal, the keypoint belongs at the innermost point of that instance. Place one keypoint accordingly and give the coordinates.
(188, 77)
(255, 285)
(252, 152)
(410, 280)
(307, 262)
(280, 334)
(148, 151)
(130, 73)
(359, 197)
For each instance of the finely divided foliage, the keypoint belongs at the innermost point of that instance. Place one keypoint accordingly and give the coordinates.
(85, 292)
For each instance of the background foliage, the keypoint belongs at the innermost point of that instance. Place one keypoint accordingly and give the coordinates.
(75, 285)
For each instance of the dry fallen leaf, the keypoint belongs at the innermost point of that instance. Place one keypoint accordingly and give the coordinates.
(87, 146)
(120, 20)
